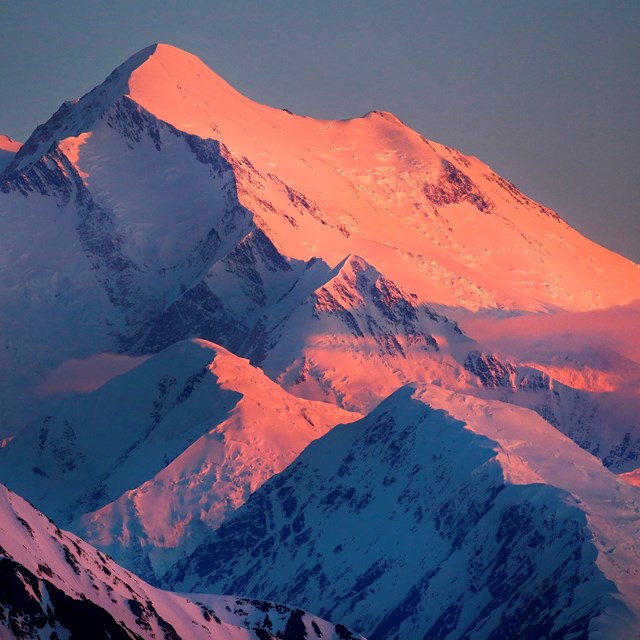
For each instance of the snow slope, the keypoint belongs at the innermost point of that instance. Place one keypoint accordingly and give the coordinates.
(56, 585)
(385, 186)
(439, 515)
(358, 337)
(603, 423)
(145, 466)
(342, 257)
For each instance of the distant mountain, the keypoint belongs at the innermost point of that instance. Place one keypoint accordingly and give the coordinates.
(369, 186)
(441, 516)
(145, 466)
(55, 585)
(8, 149)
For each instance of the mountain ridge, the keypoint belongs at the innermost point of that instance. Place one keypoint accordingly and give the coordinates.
(276, 135)
(55, 583)
(145, 465)
(430, 482)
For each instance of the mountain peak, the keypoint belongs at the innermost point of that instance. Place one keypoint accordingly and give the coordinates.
(172, 59)
(179, 88)
(165, 63)
(168, 53)
(384, 115)
(173, 85)
(431, 219)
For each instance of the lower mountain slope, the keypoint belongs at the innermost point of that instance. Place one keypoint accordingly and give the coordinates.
(439, 516)
(55, 585)
(144, 466)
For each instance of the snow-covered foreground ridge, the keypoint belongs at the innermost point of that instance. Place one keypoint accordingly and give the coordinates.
(439, 516)
(53, 584)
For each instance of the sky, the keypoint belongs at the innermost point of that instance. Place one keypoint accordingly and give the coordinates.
(546, 92)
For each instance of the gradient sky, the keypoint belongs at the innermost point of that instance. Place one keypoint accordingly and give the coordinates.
(546, 92)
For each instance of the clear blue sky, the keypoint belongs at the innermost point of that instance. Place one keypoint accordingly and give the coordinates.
(546, 92)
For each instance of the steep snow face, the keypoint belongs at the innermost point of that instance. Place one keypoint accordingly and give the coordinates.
(142, 224)
(145, 466)
(164, 205)
(54, 584)
(106, 241)
(439, 515)
(372, 186)
(424, 213)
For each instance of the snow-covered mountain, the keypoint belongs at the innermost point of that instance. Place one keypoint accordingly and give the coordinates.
(182, 209)
(327, 188)
(53, 584)
(357, 337)
(146, 465)
(439, 515)
(257, 277)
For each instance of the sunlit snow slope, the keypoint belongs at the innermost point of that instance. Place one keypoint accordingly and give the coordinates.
(370, 186)
(8, 149)
(249, 254)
